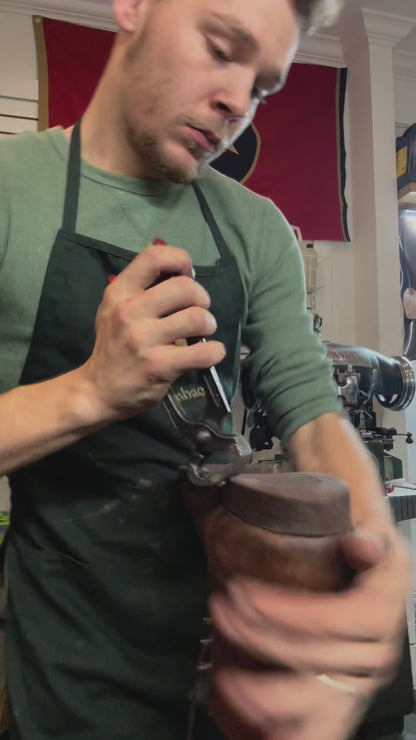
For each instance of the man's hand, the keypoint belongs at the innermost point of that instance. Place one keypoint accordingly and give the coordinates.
(135, 358)
(353, 637)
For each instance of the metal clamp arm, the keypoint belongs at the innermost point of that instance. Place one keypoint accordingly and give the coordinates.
(207, 439)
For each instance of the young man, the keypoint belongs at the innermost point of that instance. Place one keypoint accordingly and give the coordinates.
(106, 573)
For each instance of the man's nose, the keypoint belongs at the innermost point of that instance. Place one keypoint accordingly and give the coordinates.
(235, 100)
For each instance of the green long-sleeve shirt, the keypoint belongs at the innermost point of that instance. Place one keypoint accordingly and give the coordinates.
(288, 363)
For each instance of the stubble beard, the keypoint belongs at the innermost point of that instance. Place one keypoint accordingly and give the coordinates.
(158, 161)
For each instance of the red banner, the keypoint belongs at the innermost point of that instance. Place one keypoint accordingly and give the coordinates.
(293, 154)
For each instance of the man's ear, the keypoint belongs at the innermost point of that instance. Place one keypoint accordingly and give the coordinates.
(125, 12)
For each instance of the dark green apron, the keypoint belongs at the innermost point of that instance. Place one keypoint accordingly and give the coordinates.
(106, 574)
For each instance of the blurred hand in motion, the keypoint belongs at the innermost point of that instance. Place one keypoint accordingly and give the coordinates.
(339, 647)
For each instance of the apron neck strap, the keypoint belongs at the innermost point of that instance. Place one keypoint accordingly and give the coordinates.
(72, 181)
(209, 218)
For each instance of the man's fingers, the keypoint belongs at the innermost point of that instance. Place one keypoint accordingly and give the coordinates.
(161, 299)
(267, 700)
(177, 360)
(360, 612)
(189, 323)
(323, 655)
(173, 295)
(264, 699)
(153, 341)
(146, 269)
(161, 315)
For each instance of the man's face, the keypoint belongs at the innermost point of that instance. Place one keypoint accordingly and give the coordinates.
(193, 74)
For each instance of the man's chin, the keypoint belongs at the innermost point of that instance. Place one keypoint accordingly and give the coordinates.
(183, 166)
(186, 174)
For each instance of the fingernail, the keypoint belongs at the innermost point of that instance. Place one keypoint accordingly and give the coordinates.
(213, 321)
(157, 240)
(111, 278)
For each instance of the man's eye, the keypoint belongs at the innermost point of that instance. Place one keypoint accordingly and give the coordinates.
(218, 53)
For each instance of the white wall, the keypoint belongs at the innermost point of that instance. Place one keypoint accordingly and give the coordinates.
(18, 74)
(405, 101)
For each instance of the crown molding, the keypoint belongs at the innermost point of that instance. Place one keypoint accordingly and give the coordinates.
(85, 12)
(404, 66)
(320, 49)
(386, 29)
(367, 27)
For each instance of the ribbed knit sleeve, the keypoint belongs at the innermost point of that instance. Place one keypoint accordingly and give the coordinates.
(30, 210)
(288, 364)
(5, 216)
